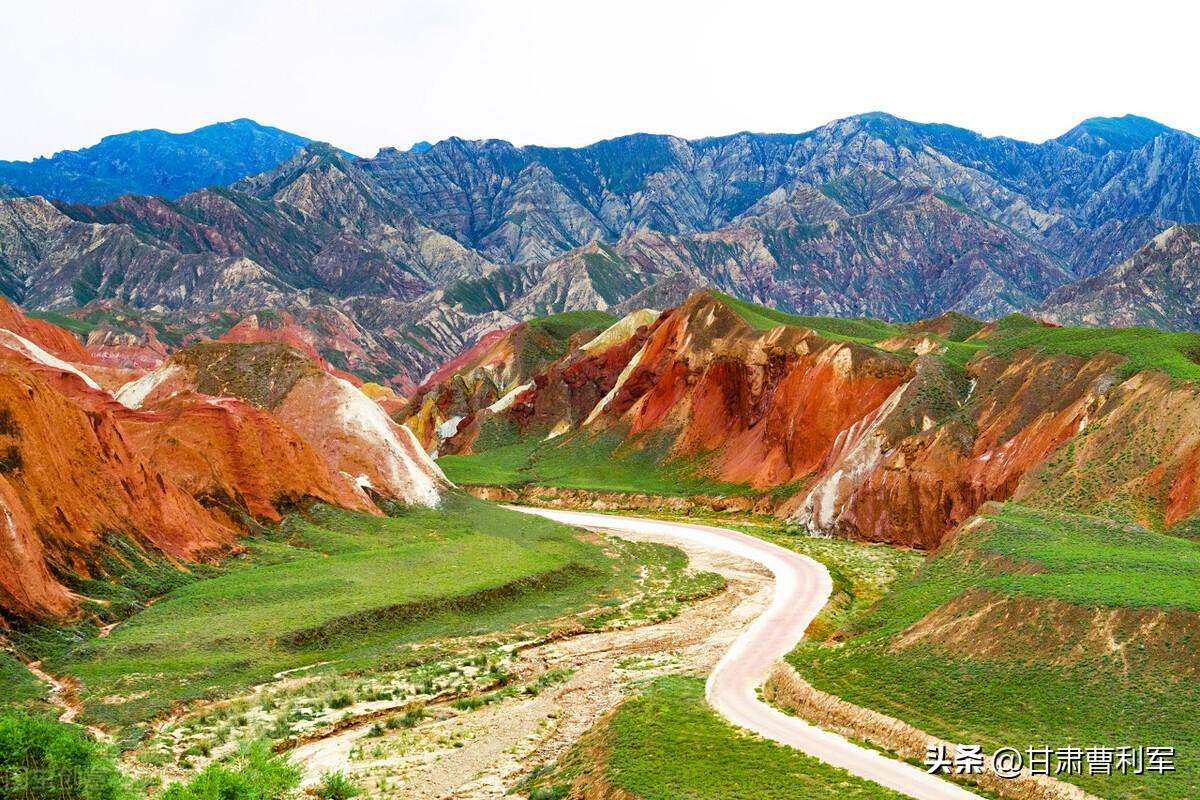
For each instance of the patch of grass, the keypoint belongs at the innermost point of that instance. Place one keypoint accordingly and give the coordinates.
(563, 326)
(1092, 561)
(666, 743)
(1143, 348)
(352, 588)
(18, 688)
(860, 329)
(613, 278)
(74, 325)
(1052, 682)
(582, 460)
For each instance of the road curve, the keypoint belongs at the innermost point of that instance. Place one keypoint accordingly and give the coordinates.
(802, 587)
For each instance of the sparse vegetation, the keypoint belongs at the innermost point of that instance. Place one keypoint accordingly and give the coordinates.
(325, 591)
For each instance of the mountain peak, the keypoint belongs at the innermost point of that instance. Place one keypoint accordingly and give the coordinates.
(154, 162)
(1098, 135)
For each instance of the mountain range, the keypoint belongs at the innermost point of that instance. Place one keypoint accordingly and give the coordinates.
(854, 428)
(411, 256)
(153, 162)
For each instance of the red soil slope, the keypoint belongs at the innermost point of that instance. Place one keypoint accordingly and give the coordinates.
(69, 477)
(176, 473)
(232, 456)
(51, 338)
(888, 446)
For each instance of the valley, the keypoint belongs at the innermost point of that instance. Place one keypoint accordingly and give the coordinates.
(651, 469)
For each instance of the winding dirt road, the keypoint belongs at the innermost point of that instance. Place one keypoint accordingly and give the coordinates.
(802, 587)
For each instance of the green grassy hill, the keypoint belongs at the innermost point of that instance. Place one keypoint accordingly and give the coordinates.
(344, 587)
(1035, 627)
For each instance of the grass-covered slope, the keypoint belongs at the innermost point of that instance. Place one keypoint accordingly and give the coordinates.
(666, 743)
(18, 687)
(596, 462)
(341, 586)
(1034, 627)
(762, 318)
(1176, 354)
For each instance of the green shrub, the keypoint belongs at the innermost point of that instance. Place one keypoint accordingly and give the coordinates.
(550, 793)
(47, 760)
(341, 701)
(409, 719)
(336, 786)
(256, 774)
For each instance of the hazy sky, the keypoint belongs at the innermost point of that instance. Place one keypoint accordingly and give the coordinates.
(365, 74)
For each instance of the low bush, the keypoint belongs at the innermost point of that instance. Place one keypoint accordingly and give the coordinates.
(256, 774)
(336, 786)
(47, 760)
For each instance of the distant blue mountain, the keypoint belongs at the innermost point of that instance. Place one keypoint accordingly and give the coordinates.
(154, 162)
(1099, 135)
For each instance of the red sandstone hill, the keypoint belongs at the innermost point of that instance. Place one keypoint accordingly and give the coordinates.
(70, 477)
(492, 370)
(887, 433)
(215, 437)
(49, 337)
(361, 450)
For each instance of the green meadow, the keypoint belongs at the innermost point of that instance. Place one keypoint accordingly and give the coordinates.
(1176, 354)
(582, 460)
(348, 588)
(666, 743)
(1049, 683)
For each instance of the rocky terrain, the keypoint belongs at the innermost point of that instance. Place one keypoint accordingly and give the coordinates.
(388, 266)
(873, 431)
(175, 464)
(1156, 287)
(530, 204)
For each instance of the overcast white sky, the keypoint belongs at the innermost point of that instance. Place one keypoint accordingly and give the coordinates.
(365, 74)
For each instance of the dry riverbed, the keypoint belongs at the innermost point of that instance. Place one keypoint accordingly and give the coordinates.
(470, 718)
(483, 753)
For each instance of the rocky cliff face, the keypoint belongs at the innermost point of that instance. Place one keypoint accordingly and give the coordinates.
(488, 377)
(72, 483)
(733, 395)
(913, 477)
(235, 458)
(362, 450)
(219, 434)
(897, 435)
(1156, 287)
